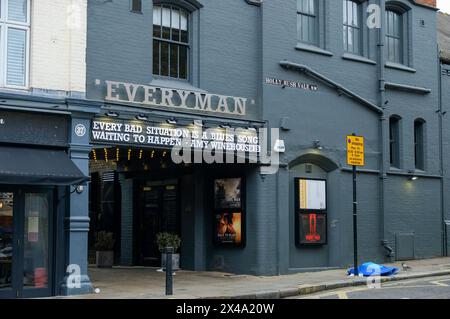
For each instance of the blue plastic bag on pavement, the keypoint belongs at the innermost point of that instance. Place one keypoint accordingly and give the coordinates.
(372, 269)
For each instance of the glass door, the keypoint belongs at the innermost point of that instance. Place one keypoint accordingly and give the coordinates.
(37, 244)
(25, 243)
(7, 245)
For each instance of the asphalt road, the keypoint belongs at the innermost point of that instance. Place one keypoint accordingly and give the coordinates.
(424, 288)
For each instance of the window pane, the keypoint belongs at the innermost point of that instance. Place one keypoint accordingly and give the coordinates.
(176, 25)
(350, 40)
(345, 38)
(391, 23)
(300, 5)
(164, 59)
(183, 62)
(305, 29)
(157, 21)
(349, 13)
(356, 38)
(16, 57)
(175, 19)
(156, 47)
(312, 8)
(344, 13)
(312, 30)
(174, 60)
(299, 27)
(166, 16)
(156, 15)
(36, 244)
(184, 27)
(6, 240)
(397, 50)
(17, 10)
(184, 21)
(355, 14)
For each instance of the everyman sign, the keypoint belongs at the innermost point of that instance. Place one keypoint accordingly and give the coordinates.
(147, 95)
(355, 150)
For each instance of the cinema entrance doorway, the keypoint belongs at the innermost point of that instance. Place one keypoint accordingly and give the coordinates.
(135, 194)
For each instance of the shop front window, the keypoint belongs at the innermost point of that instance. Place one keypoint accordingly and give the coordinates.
(170, 41)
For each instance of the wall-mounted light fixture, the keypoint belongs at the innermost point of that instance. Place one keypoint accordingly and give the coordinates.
(112, 114)
(317, 145)
(142, 117)
(413, 176)
(172, 121)
(225, 125)
(198, 123)
(78, 189)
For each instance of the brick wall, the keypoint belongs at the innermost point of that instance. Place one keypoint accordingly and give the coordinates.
(428, 2)
(58, 45)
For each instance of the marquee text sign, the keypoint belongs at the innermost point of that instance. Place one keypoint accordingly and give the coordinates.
(142, 134)
(148, 95)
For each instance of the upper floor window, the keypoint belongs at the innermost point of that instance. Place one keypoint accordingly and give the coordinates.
(394, 141)
(419, 144)
(136, 6)
(352, 26)
(14, 43)
(307, 24)
(170, 41)
(394, 36)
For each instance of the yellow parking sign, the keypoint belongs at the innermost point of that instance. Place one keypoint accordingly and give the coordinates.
(355, 150)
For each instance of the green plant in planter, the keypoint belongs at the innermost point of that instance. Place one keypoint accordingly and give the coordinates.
(164, 240)
(104, 241)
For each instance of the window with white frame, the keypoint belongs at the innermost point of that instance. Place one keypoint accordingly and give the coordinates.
(170, 41)
(14, 42)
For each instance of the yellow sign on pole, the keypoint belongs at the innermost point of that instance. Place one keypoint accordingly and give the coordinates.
(355, 150)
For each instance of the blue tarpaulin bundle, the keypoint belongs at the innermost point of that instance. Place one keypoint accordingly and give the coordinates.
(372, 269)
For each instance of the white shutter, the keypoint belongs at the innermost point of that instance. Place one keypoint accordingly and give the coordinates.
(16, 57)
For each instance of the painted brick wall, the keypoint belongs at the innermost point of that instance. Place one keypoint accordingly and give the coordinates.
(58, 45)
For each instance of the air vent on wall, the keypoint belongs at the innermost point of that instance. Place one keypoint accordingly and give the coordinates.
(108, 177)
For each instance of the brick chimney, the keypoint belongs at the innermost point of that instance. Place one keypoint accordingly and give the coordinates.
(431, 3)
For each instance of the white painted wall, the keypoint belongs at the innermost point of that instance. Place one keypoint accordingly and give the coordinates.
(58, 45)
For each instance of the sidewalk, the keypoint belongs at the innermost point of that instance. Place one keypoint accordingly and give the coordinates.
(147, 283)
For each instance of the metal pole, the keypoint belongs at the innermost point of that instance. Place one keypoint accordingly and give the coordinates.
(169, 273)
(355, 225)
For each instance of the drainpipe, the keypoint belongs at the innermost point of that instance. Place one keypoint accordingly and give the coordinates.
(384, 131)
(441, 156)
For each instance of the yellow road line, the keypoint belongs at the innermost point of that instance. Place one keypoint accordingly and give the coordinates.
(342, 295)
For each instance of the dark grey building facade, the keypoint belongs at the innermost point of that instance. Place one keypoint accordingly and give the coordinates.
(316, 71)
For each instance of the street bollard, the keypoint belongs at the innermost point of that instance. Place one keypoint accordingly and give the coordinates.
(169, 274)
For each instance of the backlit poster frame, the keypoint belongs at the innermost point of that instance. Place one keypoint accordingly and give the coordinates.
(314, 216)
(229, 216)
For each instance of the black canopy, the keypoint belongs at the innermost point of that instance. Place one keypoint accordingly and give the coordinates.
(27, 166)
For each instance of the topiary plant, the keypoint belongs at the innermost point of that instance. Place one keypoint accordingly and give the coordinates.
(164, 240)
(104, 241)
